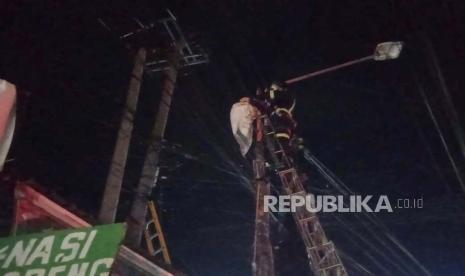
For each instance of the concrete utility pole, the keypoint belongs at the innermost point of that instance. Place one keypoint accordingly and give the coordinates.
(137, 218)
(180, 54)
(263, 264)
(115, 176)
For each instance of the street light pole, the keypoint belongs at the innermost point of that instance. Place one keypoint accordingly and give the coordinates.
(383, 51)
(330, 69)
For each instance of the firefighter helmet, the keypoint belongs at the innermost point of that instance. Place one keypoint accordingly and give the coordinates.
(276, 88)
(279, 96)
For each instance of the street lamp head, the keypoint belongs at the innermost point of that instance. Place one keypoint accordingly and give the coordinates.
(388, 50)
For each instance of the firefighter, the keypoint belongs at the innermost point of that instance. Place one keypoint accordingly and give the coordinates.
(282, 103)
(276, 101)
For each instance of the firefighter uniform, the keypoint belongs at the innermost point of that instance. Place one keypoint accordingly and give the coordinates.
(282, 103)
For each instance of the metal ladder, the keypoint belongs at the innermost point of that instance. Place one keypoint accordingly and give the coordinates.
(154, 232)
(322, 255)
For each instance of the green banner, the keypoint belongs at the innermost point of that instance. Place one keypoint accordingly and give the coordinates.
(73, 252)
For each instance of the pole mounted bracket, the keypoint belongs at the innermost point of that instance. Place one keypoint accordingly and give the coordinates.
(188, 57)
(157, 33)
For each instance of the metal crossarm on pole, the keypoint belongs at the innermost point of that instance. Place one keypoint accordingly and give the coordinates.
(187, 55)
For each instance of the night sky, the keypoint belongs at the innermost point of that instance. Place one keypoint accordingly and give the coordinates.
(369, 124)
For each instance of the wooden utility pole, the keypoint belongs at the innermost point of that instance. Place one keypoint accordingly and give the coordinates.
(137, 218)
(263, 263)
(115, 176)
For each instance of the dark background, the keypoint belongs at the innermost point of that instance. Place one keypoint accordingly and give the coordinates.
(368, 123)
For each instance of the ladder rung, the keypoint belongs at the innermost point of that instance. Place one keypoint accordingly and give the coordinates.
(147, 225)
(302, 220)
(157, 252)
(154, 236)
(332, 266)
(300, 193)
(326, 246)
(286, 171)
